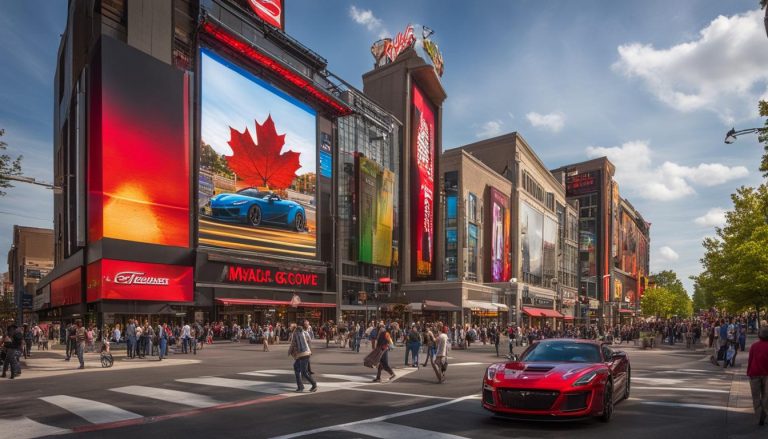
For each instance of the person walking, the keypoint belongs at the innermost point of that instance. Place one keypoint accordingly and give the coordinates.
(440, 365)
(757, 371)
(429, 340)
(28, 338)
(130, 338)
(383, 342)
(80, 337)
(300, 351)
(413, 346)
(185, 338)
(12, 342)
(162, 341)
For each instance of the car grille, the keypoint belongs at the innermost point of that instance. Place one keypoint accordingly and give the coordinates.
(528, 399)
(488, 396)
(538, 368)
(575, 402)
(225, 212)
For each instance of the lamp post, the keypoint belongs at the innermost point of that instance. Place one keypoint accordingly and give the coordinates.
(731, 135)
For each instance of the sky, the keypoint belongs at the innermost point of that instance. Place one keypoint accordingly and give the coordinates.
(654, 85)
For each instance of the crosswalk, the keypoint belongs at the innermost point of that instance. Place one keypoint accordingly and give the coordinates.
(123, 405)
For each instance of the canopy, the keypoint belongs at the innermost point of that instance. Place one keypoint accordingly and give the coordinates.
(485, 306)
(626, 311)
(542, 312)
(434, 305)
(267, 302)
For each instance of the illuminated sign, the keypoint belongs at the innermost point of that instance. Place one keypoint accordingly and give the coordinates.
(582, 183)
(127, 280)
(499, 247)
(270, 11)
(432, 50)
(387, 50)
(273, 277)
(422, 184)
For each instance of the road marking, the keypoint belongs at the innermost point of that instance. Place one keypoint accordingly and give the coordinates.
(175, 396)
(696, 406)
(378, 419)
(663, 381)
(682, 389)
(353, 378)
(25, 428)
(387, 430)
(359, 389)
(268, 373)
(92, 411)
(253, 386)
(471, 363)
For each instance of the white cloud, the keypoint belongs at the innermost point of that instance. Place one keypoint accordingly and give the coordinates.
(666, 254)
(492, 128)
(636, 172)
(366, 18)
(713, 217)
(725, 70)
(553, 121)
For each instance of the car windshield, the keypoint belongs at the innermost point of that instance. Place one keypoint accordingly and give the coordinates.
(563, 352)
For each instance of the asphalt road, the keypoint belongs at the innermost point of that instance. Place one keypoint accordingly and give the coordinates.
(238, 391)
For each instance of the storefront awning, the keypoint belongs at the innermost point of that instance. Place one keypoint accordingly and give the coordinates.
(267, 302)
(434, 305)
(542, 312)
(626, 311)
(485, 306)
(567, 318)
(414, 307)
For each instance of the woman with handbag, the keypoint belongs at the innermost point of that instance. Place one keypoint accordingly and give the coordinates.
(383, 342)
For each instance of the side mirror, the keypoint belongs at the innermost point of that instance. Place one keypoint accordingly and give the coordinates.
(618, 355)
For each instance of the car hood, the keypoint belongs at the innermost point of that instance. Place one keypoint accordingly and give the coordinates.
(531, 372)
(230, 198)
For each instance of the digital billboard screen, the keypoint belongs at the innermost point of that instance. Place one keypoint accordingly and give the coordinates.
(422, 184)
(375, 212)
(499, 236)
(531, 242)
(258, 164)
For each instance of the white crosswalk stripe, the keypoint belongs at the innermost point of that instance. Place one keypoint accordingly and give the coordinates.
(250, 385)
(92, 411)
(388, 430)
(25, 428)
(353, 378)
(175, 396)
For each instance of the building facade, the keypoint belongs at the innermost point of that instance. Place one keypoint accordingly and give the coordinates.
(29, 260)
(538, 206)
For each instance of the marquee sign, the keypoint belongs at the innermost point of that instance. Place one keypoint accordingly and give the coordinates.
(387, 50)
(271, 11)
(273, 277)
(432, 50)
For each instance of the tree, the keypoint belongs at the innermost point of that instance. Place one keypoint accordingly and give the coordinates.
(663, 302)
(762, 135)
(8, 166)
(212, 160)
(735, 261)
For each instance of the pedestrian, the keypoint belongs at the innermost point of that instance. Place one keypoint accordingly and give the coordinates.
(300, 351)
(429, 340)
(413, 346)
(265, 339)
(185, 338)
(310, 337)
(440, 365)
(383, 342)
(80, 337)
(162, 340)
(757, 371)
(130, 338)
(28, 338)
(12, 342)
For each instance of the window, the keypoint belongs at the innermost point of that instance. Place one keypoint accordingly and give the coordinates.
(472, 208)
(472, 252)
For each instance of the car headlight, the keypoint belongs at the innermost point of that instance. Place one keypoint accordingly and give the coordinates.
(490, 373)
(239, 202)
(586, 379)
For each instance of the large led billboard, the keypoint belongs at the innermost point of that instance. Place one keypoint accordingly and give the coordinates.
(498, 205)
(375, 212)
(138, 149)
(258, 164)
(422, 185)
(531, 243)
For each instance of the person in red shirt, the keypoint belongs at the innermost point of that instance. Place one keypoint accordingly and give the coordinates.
(757, 371)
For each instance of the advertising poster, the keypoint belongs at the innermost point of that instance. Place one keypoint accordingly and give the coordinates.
(531, 240)
(422, 184)
(376, 212)
(259, 146)
(326, 156)
(588, 258)
(499, 236)
(472, 249)
(550, 250)
(138, 153)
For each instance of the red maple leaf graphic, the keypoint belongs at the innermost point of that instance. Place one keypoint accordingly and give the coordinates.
(262, 164)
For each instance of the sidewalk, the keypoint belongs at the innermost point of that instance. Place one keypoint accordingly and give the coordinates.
(740, 417)
(43, 364)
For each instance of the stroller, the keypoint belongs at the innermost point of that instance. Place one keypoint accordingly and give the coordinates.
(106, 356)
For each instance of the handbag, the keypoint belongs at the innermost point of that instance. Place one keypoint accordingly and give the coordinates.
(374, 358)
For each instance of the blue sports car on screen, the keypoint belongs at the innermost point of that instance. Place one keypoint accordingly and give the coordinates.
(257, 208)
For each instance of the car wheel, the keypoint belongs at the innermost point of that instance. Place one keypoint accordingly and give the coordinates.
(298, 222)
(628, 384)
(254, 215)
(607, 402)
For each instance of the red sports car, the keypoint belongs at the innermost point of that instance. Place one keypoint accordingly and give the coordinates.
(558, 379)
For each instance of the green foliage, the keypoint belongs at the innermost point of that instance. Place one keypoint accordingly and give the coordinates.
(213, 161)
(662, 301)
(8, 310)
(8, 166)
(736, 261)
(762, 136)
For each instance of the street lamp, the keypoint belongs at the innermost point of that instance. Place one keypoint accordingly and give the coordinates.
(731, 135)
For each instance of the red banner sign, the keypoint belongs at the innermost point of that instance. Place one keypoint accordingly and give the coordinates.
(270, 11)
(124, 280)
(422, 184)
(268, 276)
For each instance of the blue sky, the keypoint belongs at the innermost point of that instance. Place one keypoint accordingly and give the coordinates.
(653, 84)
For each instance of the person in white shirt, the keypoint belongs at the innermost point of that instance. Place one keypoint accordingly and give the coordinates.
(440, 364)
(185, 338)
